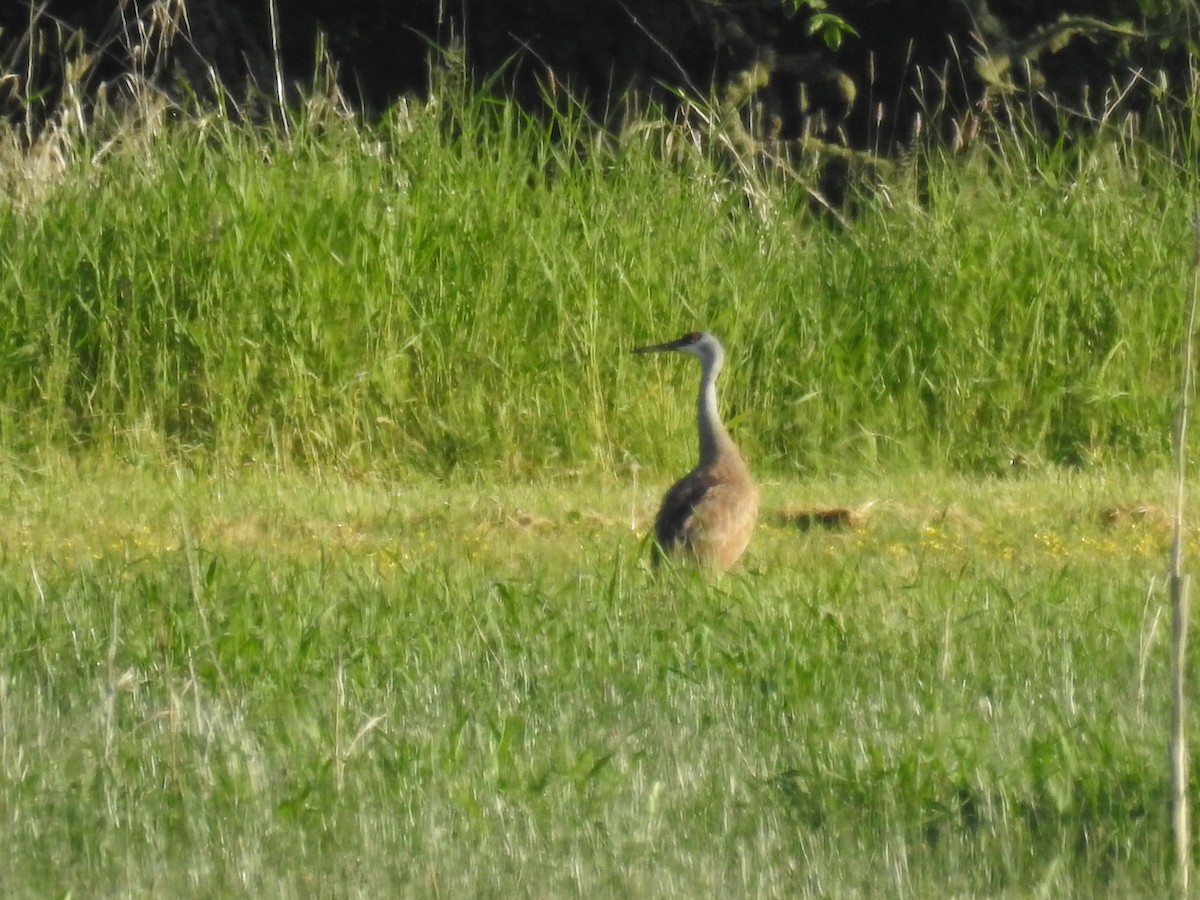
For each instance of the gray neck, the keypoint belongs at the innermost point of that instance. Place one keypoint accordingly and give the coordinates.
(713, 436)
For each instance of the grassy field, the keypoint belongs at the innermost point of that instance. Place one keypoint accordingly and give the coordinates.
(276, 686)
(454, 291)
(325, 470)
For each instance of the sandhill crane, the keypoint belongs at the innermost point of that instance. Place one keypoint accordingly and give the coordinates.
(709, 513)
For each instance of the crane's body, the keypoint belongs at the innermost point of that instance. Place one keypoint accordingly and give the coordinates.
(709, 513)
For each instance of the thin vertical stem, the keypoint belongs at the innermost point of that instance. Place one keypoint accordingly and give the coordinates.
(1180, 813)
(1180, 599)
(280, 96)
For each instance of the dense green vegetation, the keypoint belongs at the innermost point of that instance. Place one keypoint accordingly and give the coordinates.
(456, 289)
(325, 471)
(282, 686)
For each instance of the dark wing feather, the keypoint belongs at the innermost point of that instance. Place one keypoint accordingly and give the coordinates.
(673, 525)
(708, 514)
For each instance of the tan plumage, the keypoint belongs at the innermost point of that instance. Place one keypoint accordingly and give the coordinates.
(709, 513)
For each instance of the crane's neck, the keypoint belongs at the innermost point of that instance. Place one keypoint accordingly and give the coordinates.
(714, 439)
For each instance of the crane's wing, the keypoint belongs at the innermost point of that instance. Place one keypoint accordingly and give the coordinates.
(708, 516)
(675, 522)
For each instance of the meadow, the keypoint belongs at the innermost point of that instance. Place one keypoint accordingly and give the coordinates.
(326, 474)
(284, 685)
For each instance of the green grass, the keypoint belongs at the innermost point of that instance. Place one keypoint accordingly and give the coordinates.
(454, 290)
(325, 470)
(276, 686)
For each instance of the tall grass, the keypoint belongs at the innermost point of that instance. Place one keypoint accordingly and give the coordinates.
(251, 685)
(454, 289)
(371, 686)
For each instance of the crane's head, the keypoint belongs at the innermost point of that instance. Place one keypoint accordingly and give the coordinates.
(699, 344)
